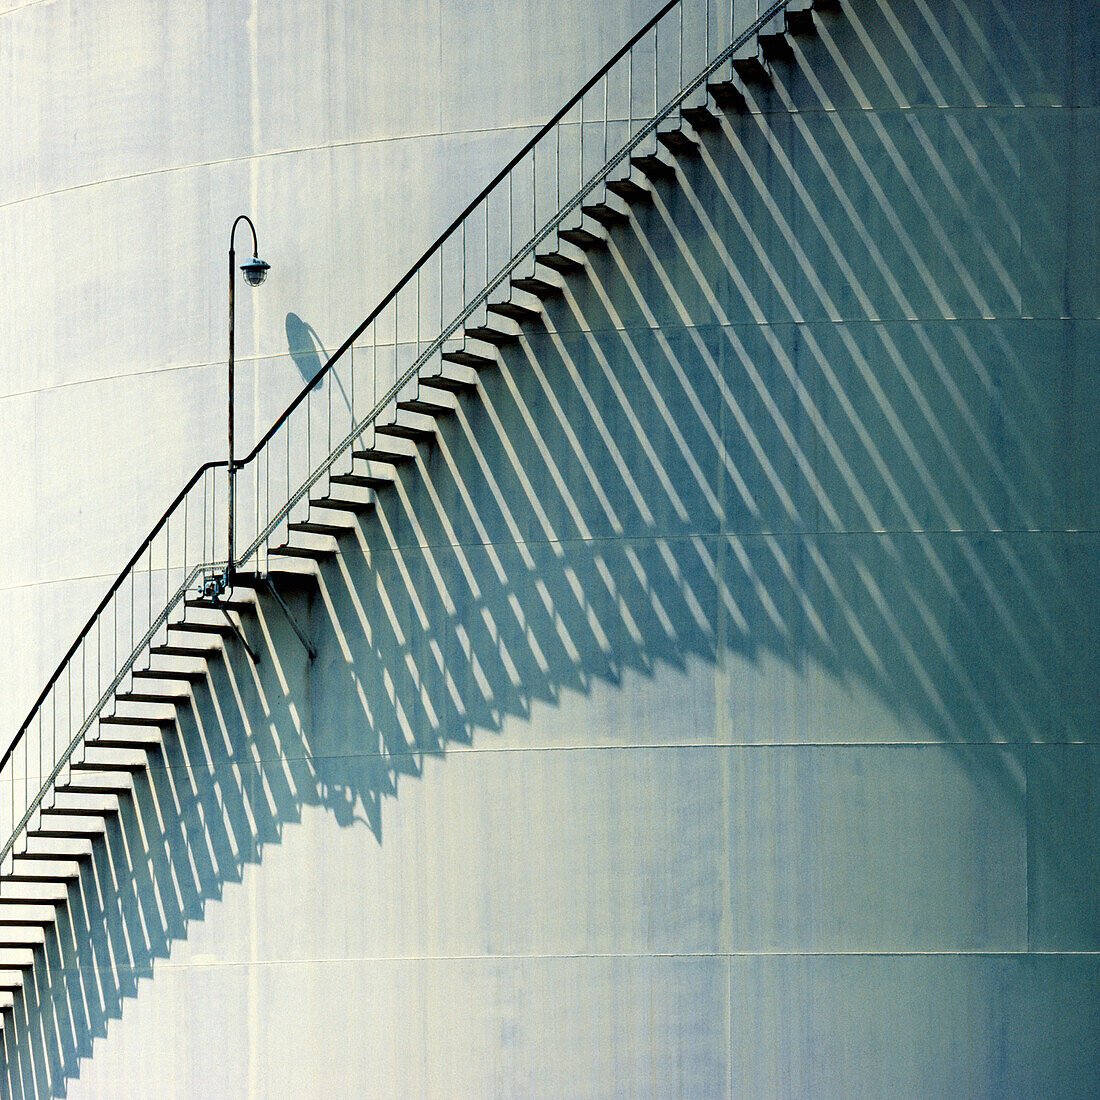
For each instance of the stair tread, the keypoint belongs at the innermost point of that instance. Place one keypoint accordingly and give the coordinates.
(629, 190)
(361, 481)
(279, 577)
(540, 288)
(338, 504)
(424, 407)
(653, 167)
(557, 261)
(79, 809)
(676, 141)
(448, 384)
(466, 358)
(185, 675)
(64, 856)
(775, 46)
(582, 238)
(379, 454)
(310, 552)
(701, 118)
(27, 914)
(108, 765)
(513, 311)
(406, 431)
(223, 630)
(605, 214)
(90, 787)
(751, 68)
(9, 939)
(115, 742)
(728, 95)
(491, 335)
(800, 20)
(86, 832)
(132, 720)
(239, 606)
(311, 527)
(150, 697)
(183, 651)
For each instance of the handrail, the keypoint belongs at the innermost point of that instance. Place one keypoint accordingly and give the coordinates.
(191, 568)
(101, 607)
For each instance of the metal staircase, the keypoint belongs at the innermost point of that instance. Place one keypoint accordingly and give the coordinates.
(368, 412)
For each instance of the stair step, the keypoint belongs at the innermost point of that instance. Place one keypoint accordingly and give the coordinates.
(360, 481)
(701, 118)
(540, 288)
(801, 20)
(221, 630)
(151, 697)
(135, 739)
(70, 804)
(491, 335)
(424, 407)
(27, 869)
(312, 553)
(100, 783)
(27, 914)
(29, 893)
(240, 606)
(201, 653)
(21, 936)
(728, 96)
(653, 167)
(630, 191)
(776, 46)
(71, 849)
(337, 504)
(311, 527)
(112, 764)
(447, 384)
(406, 431)
(558, 261)
(468, 359)
(64, 828)
(582, 238)
(751, 69)
(280, 577)
(133, 720)
(514, 311)
(606, 215)
(378, 454)
(10, 977)
(188, 676)
(676, 141)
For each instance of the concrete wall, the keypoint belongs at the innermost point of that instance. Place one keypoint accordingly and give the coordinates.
(714, 712)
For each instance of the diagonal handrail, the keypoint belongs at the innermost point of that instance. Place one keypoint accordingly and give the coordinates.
(207, 559)
(117, 584)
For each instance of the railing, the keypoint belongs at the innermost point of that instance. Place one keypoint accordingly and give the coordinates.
(539, 192)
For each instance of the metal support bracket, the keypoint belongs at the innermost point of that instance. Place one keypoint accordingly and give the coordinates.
(307, 645)
(240, 636)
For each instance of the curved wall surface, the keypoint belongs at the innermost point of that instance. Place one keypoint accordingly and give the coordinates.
(712, 711)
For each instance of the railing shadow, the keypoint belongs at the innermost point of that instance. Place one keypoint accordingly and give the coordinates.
(793, 418)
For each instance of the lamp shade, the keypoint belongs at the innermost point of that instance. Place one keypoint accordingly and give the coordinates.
(255, 270)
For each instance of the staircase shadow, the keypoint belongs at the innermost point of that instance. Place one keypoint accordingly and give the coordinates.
(655, 478)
